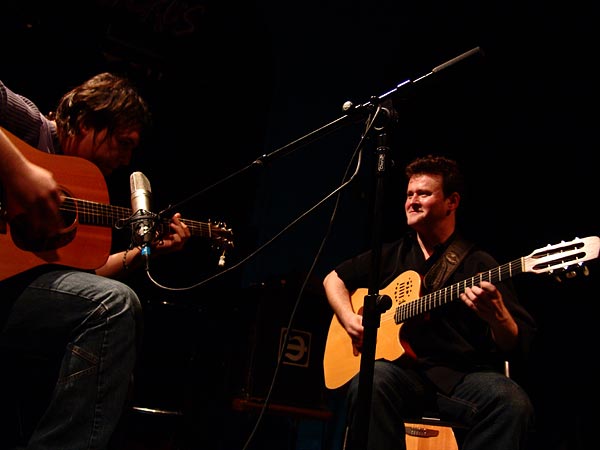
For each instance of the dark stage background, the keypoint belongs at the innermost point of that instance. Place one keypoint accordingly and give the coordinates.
(229, 82)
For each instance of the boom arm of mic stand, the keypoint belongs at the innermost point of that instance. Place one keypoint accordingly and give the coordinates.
(310, 137)
(356, 113)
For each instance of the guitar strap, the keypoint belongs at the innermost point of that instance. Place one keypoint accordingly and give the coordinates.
(446, 264)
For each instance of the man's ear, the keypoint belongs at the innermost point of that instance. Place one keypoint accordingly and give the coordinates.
(453, 201)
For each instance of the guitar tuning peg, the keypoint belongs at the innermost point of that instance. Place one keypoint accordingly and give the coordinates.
(221, 262)
(586, 271)
(571, 274)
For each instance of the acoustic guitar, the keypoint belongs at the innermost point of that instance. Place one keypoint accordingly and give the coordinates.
(85, 240)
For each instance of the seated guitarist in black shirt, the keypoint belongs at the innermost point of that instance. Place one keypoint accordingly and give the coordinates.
(451, 358)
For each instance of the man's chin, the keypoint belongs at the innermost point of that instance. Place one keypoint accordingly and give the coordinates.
(410, 221)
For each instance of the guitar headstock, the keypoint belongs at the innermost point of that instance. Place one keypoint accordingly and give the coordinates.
(218, 233)
(221, 235)
(564, 259)
(222, 238)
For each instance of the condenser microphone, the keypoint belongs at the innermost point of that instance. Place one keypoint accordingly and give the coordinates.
(142, 220)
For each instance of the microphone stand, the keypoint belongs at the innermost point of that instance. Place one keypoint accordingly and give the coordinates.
(374, 304)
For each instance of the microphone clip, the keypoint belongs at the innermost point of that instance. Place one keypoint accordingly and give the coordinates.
(143, 227)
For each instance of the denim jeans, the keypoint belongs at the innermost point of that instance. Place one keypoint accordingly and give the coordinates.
(497, 412)
(85, 326)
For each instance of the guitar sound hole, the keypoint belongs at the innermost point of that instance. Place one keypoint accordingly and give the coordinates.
(24, 238)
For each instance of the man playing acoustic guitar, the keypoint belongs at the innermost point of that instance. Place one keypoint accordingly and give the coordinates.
(451, 357)
(79, 326)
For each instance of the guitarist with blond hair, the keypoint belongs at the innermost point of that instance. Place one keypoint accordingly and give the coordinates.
(452, 358)
(78, 326)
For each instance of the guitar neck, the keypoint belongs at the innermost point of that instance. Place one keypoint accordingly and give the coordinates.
(93, 213)
(448, 294)
(99, 214)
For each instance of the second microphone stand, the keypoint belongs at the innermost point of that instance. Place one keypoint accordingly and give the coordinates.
(374, 304)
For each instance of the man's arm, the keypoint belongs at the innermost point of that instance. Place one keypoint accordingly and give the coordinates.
(486, 300)
(119, 264)
(341, 303)
(30, 190)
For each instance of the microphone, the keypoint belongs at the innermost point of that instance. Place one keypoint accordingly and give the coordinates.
(142, 221)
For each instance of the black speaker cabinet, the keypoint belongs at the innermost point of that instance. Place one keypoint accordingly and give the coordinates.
(294, 367)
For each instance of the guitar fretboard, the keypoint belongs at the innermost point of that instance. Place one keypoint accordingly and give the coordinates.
(93, 213)
(448, 294)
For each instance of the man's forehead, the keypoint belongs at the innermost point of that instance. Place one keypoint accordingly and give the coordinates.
(425, 178)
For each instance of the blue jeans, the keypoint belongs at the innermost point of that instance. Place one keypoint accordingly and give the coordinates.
(84, 326)
(497, 412)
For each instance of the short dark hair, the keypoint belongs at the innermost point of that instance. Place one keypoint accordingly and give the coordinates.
(105, 101)
(452, 178)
